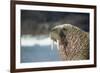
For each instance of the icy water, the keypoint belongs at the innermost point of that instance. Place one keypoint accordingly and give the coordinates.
(38, 49)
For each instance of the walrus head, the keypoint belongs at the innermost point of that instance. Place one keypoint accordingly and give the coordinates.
(59, 32)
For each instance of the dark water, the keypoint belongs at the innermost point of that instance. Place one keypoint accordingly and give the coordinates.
(38, 53)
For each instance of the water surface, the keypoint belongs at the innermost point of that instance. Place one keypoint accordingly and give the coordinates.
(38, 49)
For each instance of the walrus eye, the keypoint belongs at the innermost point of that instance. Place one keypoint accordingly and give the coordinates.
(62, 34)
(64, 29)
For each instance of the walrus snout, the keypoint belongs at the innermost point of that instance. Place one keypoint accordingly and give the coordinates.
(57, 34)
(54, 34)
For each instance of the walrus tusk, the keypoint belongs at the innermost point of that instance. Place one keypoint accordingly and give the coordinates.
(52, 44)
(58, 44)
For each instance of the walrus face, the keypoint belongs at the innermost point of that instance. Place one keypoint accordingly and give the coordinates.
(58, 32)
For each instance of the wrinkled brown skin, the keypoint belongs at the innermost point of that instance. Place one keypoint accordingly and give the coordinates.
(73, 42)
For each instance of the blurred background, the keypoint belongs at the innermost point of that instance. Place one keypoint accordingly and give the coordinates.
(36, 45)
(41, 22)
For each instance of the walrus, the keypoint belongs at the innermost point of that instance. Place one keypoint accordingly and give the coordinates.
(72, 42)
